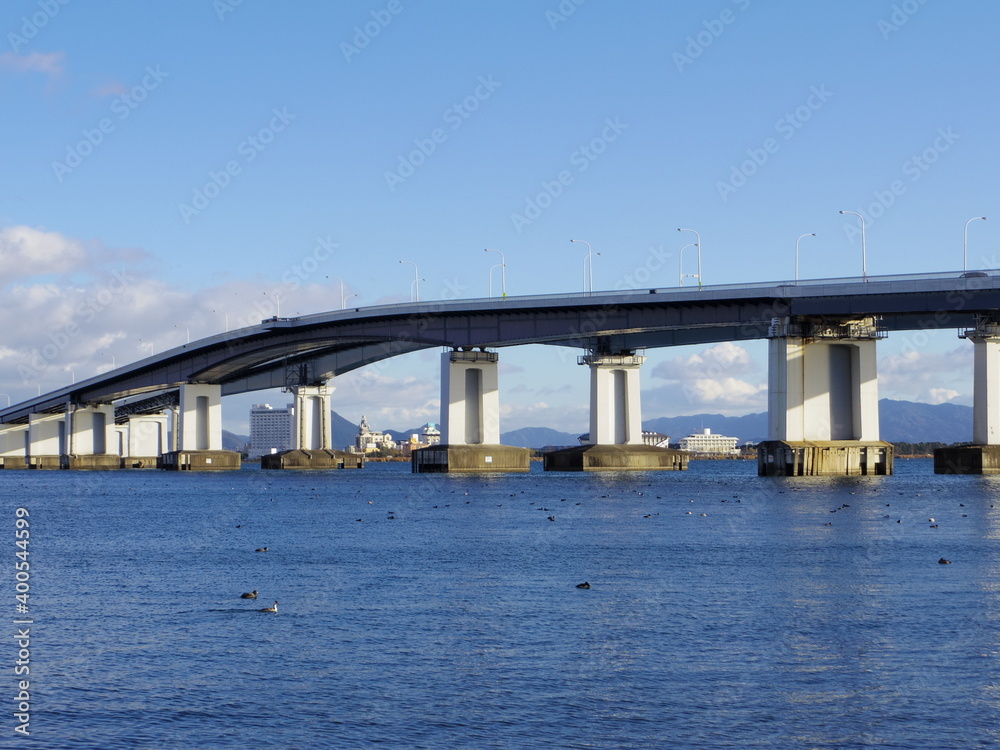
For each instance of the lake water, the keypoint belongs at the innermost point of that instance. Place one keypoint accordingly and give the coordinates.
(442, 611)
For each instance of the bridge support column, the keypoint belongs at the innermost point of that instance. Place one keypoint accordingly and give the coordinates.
(146, 441)
(823, 400)
(46, 440)
(14, 446)
(983, 456)
(615, 440)
(91, 438)
(470, 419)
(200, 432)
(311, 428)
(312, 435)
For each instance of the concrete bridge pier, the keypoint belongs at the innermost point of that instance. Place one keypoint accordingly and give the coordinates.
(823, 400)
(91, 438)
(46, 440)
(615, 440)
(983, 456)
(199, 432)
(14, 446)
(312, 435)
(470, 419)
(145, 441)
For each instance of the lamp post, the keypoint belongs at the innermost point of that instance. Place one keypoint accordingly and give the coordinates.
(186, 329)
(681, 259)
(8, 399)
(72, 375)
(343, 302)
(348, 297)
(965, 252)
(698, 243)
(864, 256)
(277, 304)
(492, 269)
(807, 234)
(113, 365)
(415, 282)
(150, 346)
(503, 273)
(227, 318)
(589, 262)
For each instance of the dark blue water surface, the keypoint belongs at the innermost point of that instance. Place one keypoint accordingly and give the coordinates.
(441, 611)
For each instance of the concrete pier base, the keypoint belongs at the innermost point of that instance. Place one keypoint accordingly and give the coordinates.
(44, 462)
(967, 459)
(312, 459)
(194, 460)
(13, 462)
(456, 459)
(93, 462)
(781, 458)
(140, 462)
(616, 458)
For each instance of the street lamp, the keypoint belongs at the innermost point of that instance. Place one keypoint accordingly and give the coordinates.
(186, 329)
(589, 262)
(72, 375)
(150, 346)
(492, 269)
(965, 254)
(113, 365)
(277, 304)
(503, 273)
(348, 297)
(227, 318)
(681, 259)
(698, 243)
(343, 302)
(415, 282)
(807, 234)
(8, 399)
(864, 257)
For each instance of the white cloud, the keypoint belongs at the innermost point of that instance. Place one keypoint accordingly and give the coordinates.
(26, 251)
(943, 395)
(926, 376)
(707, 381)
(725, 359)
(50, 64)
(114, 88)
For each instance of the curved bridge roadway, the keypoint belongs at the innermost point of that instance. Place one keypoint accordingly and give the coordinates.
(314, 348)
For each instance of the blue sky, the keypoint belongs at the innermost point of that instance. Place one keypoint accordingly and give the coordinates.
(209, 152)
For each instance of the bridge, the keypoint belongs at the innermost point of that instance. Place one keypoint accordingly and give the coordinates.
(822, 372)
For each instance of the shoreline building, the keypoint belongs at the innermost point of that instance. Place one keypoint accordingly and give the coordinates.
(371, 441)
(707, 443)
(270, 430)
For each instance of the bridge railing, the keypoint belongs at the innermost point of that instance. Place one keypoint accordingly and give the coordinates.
(834, 285)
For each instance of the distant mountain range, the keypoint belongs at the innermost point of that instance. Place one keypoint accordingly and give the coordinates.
(900, 421)
(233, 442)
